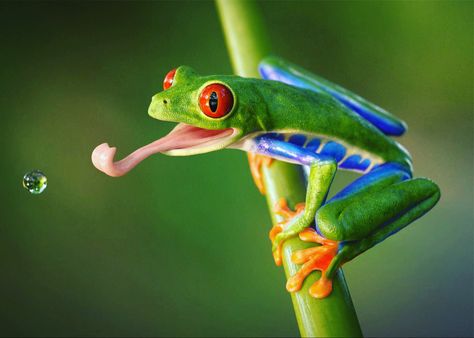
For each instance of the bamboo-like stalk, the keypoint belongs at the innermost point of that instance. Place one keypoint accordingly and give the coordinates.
(333, 316)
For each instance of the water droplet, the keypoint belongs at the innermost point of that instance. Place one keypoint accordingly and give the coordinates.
(35, 182)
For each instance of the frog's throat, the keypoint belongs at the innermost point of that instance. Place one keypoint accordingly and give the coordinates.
(183, 140)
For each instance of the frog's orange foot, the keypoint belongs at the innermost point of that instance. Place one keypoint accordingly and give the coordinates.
(256, 162)
(282, 209)
(315, 258)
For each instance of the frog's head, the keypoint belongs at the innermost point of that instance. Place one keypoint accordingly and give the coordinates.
(212, 113)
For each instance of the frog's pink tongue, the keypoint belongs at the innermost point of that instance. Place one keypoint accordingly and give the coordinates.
(181, 137)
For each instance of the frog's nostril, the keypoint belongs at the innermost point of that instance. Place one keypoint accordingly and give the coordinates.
(165, 101)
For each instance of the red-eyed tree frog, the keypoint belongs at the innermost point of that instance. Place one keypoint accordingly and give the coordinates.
(298, 117)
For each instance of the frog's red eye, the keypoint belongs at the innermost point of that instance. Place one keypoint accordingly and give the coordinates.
(216, 100)
(168, 82)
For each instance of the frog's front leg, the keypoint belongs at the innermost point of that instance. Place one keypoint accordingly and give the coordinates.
(369, 210)
(321, 173)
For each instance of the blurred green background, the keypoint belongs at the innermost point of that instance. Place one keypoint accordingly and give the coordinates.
(179, 246)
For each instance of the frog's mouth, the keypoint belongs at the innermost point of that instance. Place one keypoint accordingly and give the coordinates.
(183, 140)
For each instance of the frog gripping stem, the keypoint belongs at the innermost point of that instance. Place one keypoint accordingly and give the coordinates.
(320, 257)
(281, 208)
(316, 258)
(247, 43)
(256, 162)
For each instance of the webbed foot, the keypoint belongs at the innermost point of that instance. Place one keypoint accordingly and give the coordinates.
(323, 258)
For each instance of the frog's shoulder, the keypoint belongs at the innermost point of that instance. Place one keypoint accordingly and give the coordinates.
(275, 68)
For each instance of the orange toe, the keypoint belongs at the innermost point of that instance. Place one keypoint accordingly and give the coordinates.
(321, 288)
(256, 162)
(282, 209)
(276, 229)
(315, 258)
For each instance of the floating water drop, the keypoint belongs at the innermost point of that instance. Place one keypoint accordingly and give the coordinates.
(35, 182)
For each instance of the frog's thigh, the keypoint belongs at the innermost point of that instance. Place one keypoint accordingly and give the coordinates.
(374, 201)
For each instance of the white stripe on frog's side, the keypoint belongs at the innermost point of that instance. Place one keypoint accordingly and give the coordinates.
(247, 144)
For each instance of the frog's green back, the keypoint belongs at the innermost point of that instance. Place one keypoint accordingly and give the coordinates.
(276, 68)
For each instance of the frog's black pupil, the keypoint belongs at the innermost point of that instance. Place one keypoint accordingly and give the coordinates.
(213, 102)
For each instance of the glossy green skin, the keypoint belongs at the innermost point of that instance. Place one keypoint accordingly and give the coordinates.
(371, 214)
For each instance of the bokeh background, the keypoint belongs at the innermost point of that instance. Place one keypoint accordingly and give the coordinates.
(179, 246)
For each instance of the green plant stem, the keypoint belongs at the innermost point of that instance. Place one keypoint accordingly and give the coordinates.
(333, 316)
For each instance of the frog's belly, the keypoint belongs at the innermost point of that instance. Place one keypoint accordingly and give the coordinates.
(347, 157)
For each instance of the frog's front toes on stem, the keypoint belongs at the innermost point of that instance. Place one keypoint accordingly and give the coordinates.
(315, 258)
(282, 209)
(256, 162)
(282, 230)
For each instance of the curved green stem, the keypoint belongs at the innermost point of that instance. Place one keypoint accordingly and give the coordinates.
(333, 316)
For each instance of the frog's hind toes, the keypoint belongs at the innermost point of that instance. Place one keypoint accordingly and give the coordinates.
(320, 258)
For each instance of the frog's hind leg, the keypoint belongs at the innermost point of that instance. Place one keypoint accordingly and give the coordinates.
(369, 210)
(374, 201)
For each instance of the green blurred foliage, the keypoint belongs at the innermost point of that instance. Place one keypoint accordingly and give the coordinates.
(179, 246)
